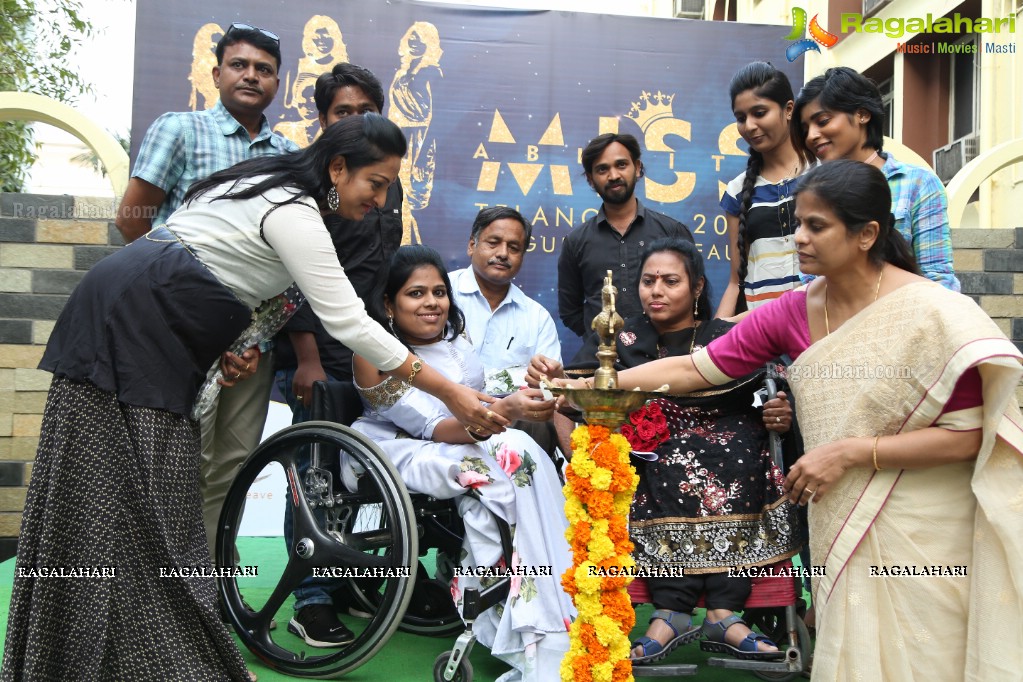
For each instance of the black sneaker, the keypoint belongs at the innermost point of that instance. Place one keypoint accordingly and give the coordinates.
(319, 626)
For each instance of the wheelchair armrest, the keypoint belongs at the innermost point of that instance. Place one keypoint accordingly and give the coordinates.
(335, 401)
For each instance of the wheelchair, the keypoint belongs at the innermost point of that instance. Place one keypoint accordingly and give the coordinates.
(773, 607)
(370, 534)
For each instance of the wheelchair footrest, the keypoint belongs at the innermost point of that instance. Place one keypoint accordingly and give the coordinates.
(668, 670)
(763, 666)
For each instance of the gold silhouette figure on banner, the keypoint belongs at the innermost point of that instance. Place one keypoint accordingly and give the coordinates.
(323, 46)
(204, 58)
(411, 109)
(307, 127)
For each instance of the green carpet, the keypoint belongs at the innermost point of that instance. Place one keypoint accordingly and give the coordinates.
(405, 658)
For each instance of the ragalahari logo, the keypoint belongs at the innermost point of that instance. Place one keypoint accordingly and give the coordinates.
(801, 44)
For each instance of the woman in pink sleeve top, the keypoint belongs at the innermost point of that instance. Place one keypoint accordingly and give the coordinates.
(905, 392)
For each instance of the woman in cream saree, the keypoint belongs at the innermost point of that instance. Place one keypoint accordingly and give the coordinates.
(954, 529)
(905, 394)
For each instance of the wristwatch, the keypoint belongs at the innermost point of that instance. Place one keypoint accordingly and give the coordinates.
(417, 366)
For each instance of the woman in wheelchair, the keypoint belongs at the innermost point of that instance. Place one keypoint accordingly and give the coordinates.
(710, 497)
(512, 477)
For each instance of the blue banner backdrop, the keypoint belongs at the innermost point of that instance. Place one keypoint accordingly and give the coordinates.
(498, 104)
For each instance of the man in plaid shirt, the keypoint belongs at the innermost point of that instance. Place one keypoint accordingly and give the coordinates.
(180, 148)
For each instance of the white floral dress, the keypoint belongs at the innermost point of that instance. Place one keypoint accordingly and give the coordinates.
(516, 481)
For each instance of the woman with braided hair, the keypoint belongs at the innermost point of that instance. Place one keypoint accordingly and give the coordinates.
(758, 203)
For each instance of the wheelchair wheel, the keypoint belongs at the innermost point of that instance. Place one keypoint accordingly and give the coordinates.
(369, 530)
(463, 673)
(771, 622)
(431, 611)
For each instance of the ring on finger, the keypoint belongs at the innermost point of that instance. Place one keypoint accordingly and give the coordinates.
(777, 420)
(808, 490)
(489, 415)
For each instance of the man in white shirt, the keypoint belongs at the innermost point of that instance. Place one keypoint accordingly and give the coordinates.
(505, 326)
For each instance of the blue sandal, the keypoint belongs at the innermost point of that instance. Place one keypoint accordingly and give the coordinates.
(684, 632)
(747, 649)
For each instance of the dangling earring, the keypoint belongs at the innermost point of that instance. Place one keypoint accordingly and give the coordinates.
(696, 308)
(390, 323)
(333, 200)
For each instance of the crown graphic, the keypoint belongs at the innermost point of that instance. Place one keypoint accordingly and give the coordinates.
(651, 108)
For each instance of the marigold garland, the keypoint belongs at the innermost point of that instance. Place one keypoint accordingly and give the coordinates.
(598, 494)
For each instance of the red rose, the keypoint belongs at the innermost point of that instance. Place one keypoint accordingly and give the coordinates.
(646, 430)
(628, 432)
(654, 410)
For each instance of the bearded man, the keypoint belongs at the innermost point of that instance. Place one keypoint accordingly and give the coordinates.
(613, 239)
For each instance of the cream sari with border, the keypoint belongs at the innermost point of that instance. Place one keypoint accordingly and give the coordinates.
(891, 369)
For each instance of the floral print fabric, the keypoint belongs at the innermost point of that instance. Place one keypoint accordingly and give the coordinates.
(713, 497)
(514, 481)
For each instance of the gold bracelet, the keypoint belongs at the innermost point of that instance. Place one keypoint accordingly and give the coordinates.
(417, 366)
(478, 439)
(876, 467)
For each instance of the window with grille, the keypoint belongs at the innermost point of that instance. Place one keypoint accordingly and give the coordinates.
(688, 9)
(965, 91)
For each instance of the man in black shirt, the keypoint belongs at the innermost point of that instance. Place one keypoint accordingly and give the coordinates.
(613, 239)
(307, 353)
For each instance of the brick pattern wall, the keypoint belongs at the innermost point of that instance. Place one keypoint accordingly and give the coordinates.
(989, 265)
(48, 242)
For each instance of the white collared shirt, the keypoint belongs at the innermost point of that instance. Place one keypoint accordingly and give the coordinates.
(510, 335)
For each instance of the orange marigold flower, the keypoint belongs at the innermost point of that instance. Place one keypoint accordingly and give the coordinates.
(588, 636)
(618, 607)
(568, 581)
(613, 577)
(622, 671)
(582, 669)
(606, 455)
(580, 486)
(617, 529)
(600, 504)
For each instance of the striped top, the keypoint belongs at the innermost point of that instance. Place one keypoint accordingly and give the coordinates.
(773, 267)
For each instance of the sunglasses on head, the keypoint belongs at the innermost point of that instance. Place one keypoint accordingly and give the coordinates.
(246, 27)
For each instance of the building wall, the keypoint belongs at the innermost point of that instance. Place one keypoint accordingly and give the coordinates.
(921, 82)
(47, 243)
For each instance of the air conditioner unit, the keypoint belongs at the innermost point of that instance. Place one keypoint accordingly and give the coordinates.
(688, 9)
(950, 159)
(872, 6)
